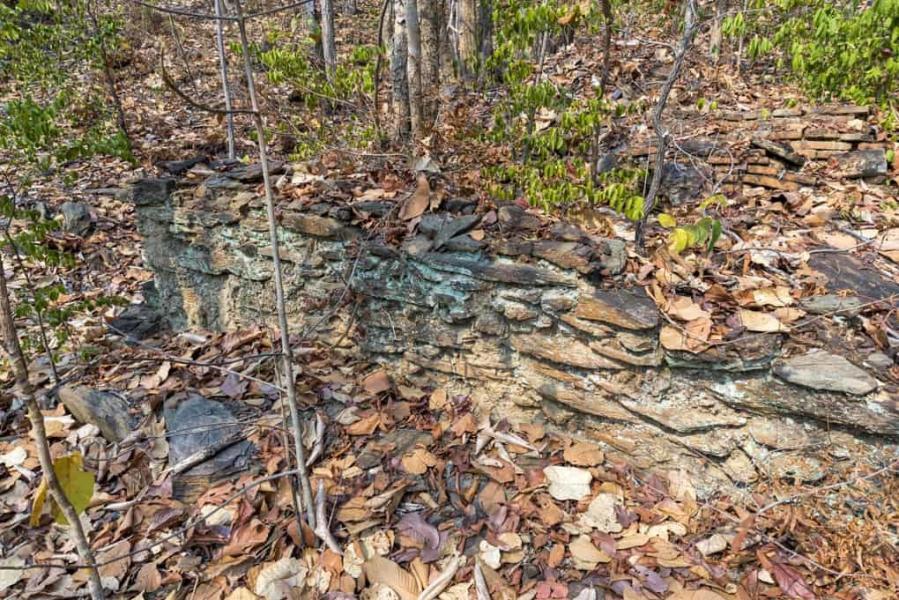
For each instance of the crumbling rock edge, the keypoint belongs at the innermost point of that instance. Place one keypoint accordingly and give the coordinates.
(526, 326)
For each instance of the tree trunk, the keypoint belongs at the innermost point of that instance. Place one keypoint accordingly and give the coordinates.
(469, 51)
(413, 69)
(329, 47)
(223, 72)
(26, 391)
(430, 58)
(485, 30)
(715, 35)
(606, 44)
(398, 74)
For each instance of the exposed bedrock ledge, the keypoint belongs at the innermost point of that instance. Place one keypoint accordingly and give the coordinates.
(527, 324)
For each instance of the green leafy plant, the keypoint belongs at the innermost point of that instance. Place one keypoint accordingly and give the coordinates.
(844, 49)
(552, 133)
(704, 232)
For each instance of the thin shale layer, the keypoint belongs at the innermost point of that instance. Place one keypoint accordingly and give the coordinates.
(530, 328)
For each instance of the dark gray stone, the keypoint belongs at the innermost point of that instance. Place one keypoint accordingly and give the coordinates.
(682, 183)
(831, 304)
(138, 321)
(76, 218)
(194, 423)
(862, 163)
(106, 410)
(148, 192)
(253, 173)
(514, 218)
(454, 227)
(845, 272)
(179, 167)
(778, 150)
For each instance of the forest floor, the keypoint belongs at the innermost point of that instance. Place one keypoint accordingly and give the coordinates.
(537, 513)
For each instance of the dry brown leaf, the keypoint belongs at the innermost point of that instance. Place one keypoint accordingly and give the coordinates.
(583, 454)
(148, 578)
(760, 322)
(700, 594)
(364, 426)
(377, 382)
(776, 297)
(585, 555)
(386, 572)
(279, 579)
(416, 204)
(684, 309)
(418, 461)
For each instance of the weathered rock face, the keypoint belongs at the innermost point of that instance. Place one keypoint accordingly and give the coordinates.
(527, 324)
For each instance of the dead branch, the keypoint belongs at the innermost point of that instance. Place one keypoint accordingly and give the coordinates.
(321, 517)
(208, 452)
(319, 446)
(26, 391)
(278, 278)
(178, 92)
(663, 136)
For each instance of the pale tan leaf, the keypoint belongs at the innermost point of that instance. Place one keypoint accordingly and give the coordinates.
(416, 204)
(386, 572)
(568, 483)
(761, 322)
(585, 555)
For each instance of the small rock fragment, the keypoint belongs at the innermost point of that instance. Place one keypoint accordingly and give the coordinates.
(76, 218)
(106, 410)
(568, 483)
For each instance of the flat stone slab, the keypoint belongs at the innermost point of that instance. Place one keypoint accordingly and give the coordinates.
(106, 410)
(824, 371)
(194, 423)
(630, 308)
(845, 272)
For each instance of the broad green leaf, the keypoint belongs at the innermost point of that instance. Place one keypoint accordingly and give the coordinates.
(77, 484)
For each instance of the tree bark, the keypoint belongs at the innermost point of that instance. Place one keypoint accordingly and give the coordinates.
(715, 35)
(26, 391)
(608, 20)
(223, 72)
(413, 70)
(398, 73)
(468, 38)
(485, 30)
(430, 58)
(329, 47)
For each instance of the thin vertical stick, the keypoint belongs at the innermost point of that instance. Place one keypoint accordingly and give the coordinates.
(279, 285)
(663, 136)
(107, 72)
(223, 70)
(23, 383)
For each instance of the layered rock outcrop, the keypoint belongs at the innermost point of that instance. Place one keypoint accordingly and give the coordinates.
(530, 325)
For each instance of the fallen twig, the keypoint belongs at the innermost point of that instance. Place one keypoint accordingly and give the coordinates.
(321, 520)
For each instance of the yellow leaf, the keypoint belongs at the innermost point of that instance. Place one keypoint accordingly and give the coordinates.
(667, 221)
(679, 240)
(77, 484)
